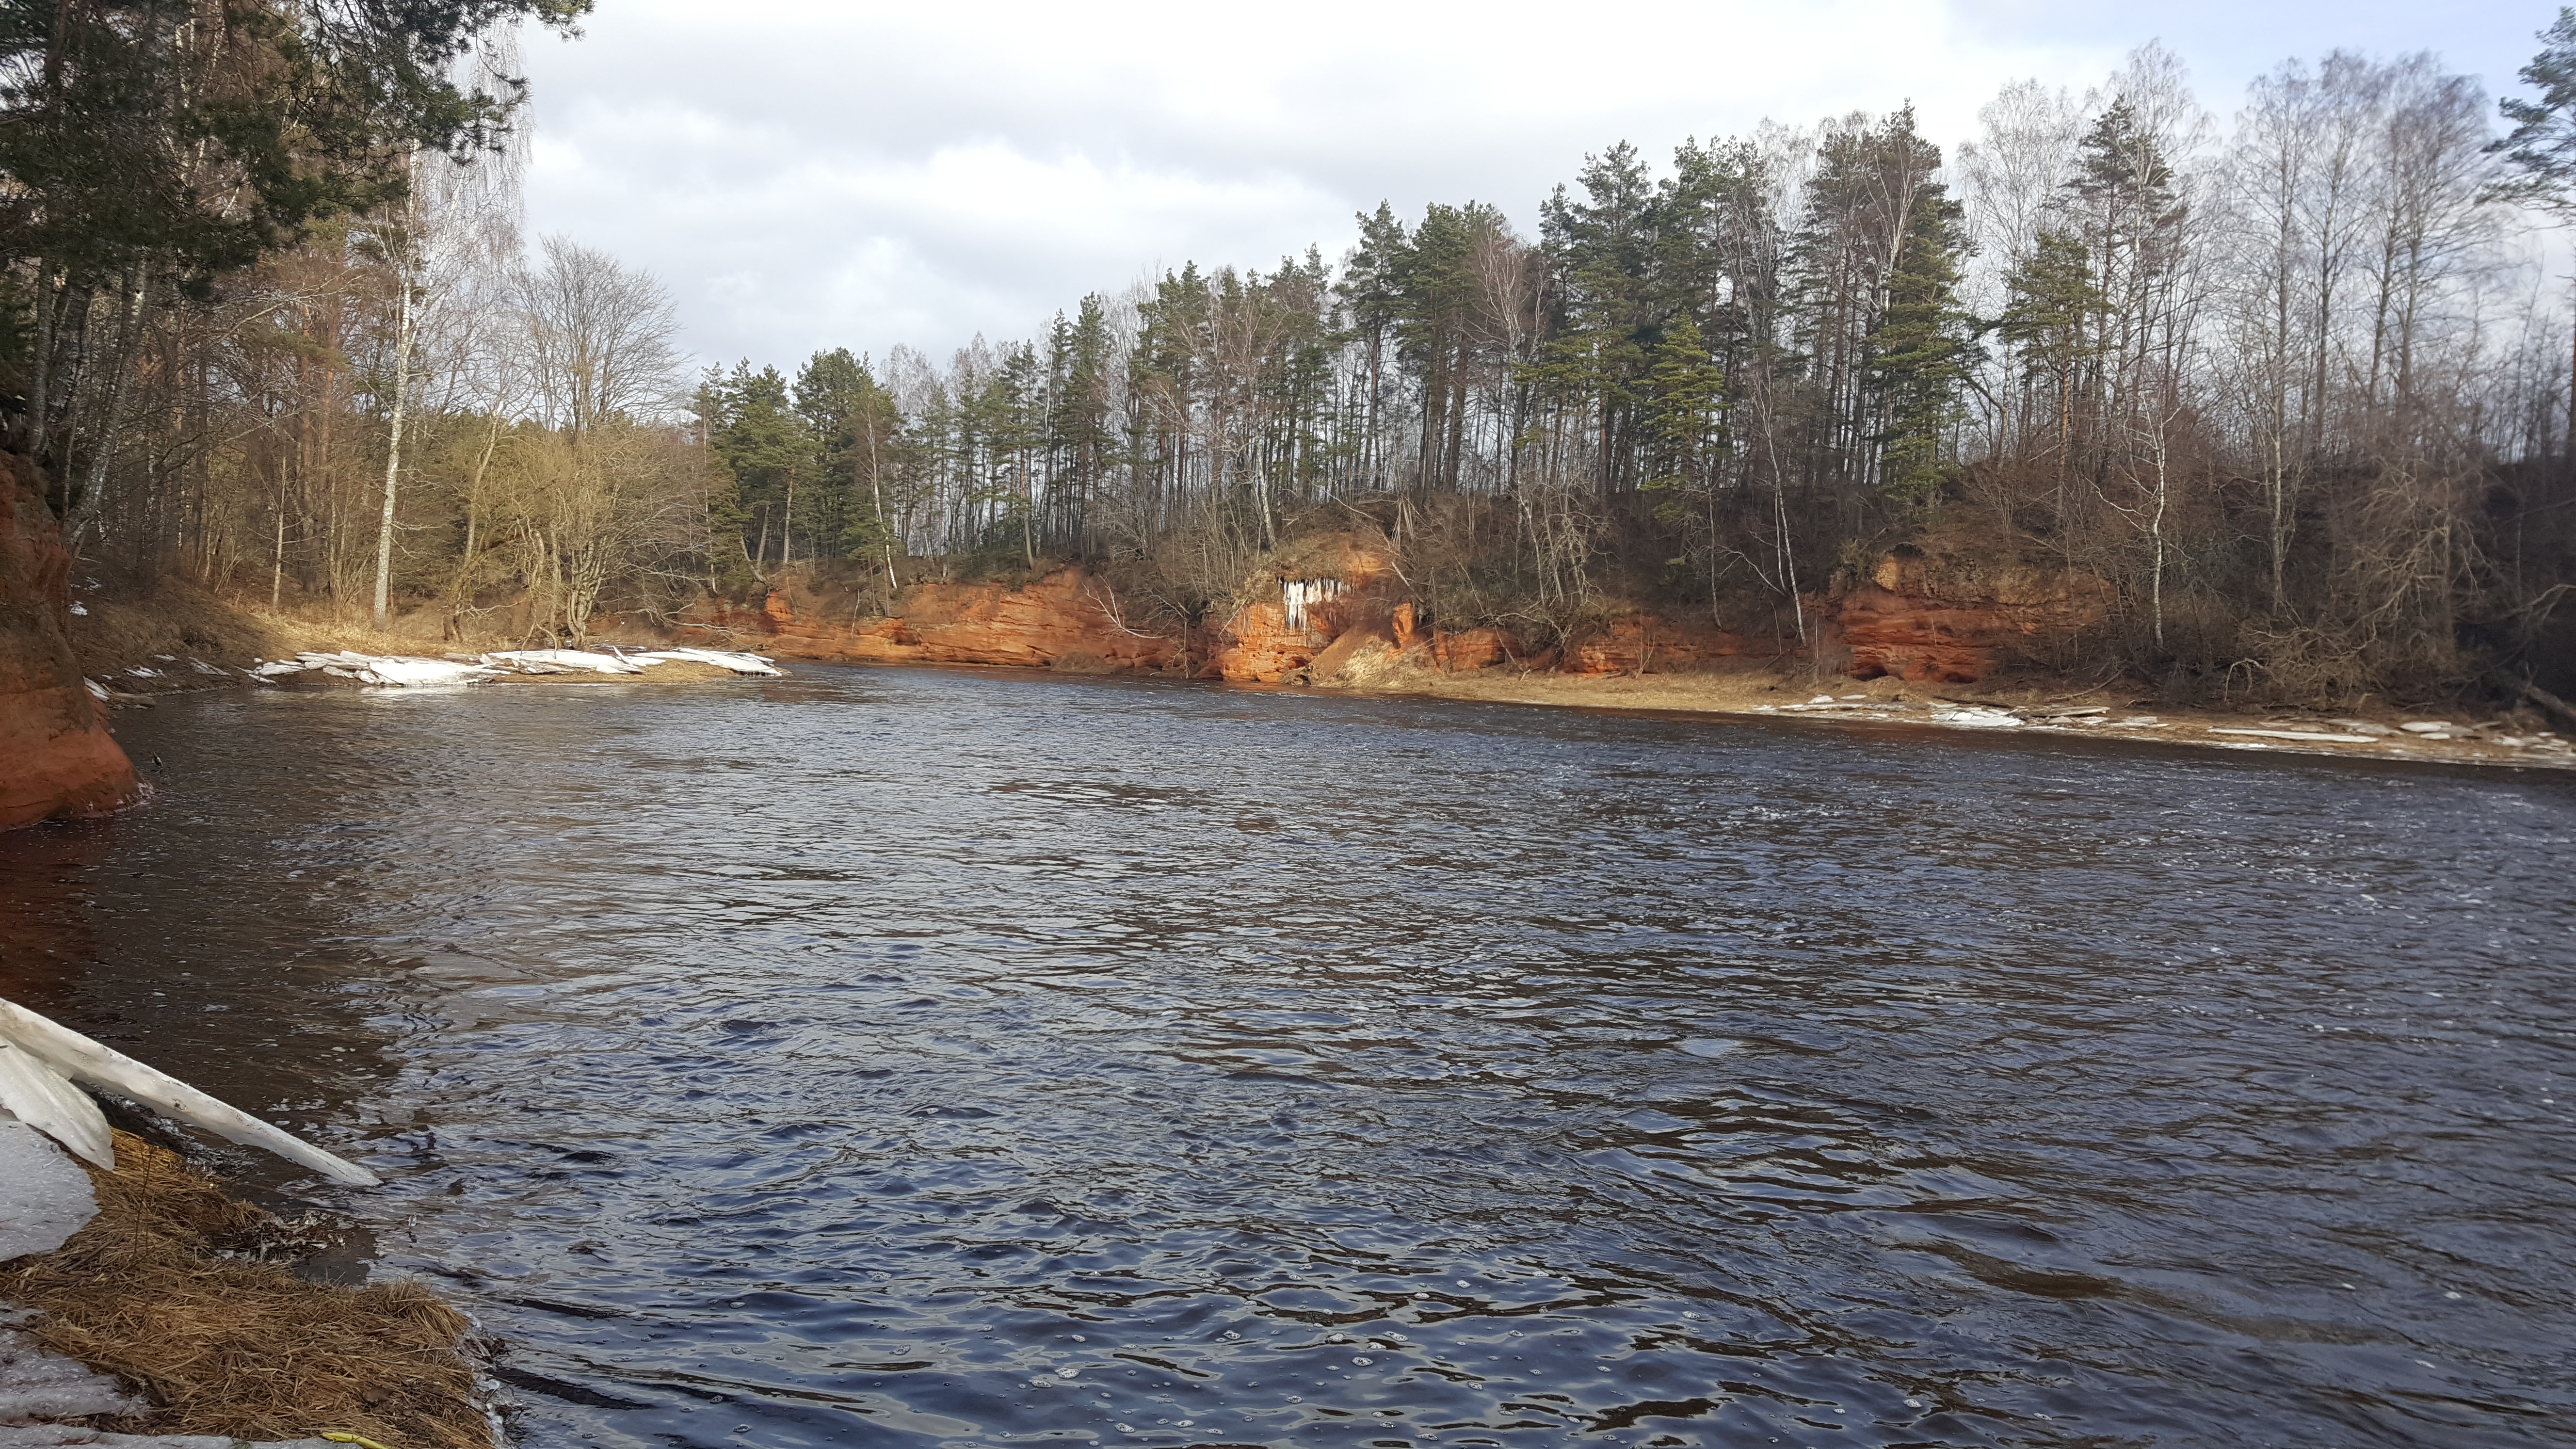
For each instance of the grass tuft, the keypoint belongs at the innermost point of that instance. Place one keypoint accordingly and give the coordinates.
(165, 1290)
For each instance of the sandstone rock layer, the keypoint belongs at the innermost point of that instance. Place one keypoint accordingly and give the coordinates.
(1930, 618)
(1065, 620)
(56, 757)
(1917, 617)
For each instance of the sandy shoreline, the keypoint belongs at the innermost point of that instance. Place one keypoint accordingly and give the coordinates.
(2515, 740)
(2521, 738)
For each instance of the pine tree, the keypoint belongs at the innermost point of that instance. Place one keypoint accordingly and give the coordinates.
(1603, 250)
(1920, 354)
(1371, 287)
(852, 424)
(1437, 288)
(766, 447)
(1684, 395)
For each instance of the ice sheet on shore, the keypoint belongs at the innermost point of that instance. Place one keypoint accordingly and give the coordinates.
(44, 1195)
(400, 670)
(628, 661)
(560, 661)
(408, 671)
(736, 660)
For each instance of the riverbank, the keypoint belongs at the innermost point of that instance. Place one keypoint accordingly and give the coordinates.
(2518, 738)
(62, 762)
(185, 1306)
(1922, 641)
(1058, 625)
(179, 638)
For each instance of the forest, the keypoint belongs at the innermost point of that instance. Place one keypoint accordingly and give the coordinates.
(2291, 373)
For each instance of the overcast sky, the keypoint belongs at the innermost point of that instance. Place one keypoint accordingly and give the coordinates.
(821, 173)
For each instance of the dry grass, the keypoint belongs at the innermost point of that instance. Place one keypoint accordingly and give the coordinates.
(178, 619)
(174, 618)
(152, 1292)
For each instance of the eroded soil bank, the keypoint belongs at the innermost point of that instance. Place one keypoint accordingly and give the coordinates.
(56, 756)
(1926, 639)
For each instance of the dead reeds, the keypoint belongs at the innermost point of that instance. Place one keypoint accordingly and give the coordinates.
(172, 1289)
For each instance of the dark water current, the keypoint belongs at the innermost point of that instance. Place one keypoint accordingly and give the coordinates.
(922, 1058)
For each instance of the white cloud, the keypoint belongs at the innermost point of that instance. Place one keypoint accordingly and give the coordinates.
(809, 175)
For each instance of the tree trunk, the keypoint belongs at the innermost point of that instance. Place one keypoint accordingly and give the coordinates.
(50, 298)
(393, 453)
(94, 494)
(277, 566)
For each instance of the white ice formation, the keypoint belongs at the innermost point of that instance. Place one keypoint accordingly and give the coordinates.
(44, 1196)
(40, 1059)
(733, 659)
(1975, 717)
(415, 672)
(561, 661)
(1299, 596)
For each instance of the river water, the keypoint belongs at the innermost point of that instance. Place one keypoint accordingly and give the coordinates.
(910, 1057)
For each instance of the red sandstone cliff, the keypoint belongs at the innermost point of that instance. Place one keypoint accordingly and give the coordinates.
(56, 756)
(1066, 620)
(1942, 619)
(1339, 612)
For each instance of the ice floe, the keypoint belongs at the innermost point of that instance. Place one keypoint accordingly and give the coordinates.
(1973, 717)
(736, 660)
(44, 1057)
(44, 1196)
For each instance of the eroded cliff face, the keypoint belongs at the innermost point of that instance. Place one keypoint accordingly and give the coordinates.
(1342, 588)
(1066, 620)
(57, 759)
(1339, 613)
(1947, 620)
(1647, 643)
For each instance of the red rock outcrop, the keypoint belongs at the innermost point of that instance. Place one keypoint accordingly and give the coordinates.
(1403, 624)
(56, 756)
(1336, 587)
(1259, 645)
(1935, 619)
(1646, 643)
(1066, 620)
(1473, 648)
(1946, 618)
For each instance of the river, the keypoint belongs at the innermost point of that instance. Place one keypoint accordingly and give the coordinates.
(910, 1057)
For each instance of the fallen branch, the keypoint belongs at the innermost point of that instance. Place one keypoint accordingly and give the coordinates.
(2549, 702)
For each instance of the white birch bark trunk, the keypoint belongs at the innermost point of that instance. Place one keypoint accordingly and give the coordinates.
(393, 452)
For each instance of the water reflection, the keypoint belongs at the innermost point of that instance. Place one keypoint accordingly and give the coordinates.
(907, 1057)
(207, 935)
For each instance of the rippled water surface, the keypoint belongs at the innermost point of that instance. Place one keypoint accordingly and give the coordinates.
(925, 1058)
